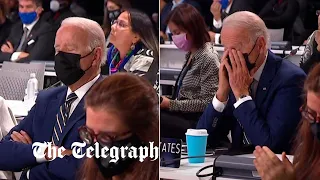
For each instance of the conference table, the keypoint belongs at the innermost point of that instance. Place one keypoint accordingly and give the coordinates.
(188, 171)
(172, 60)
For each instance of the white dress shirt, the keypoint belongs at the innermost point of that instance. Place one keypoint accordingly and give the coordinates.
(15, 55)
(219, 106)
(80, 92)
(218, 24)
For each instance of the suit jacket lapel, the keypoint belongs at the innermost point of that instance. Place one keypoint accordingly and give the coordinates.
(32, 35)
(77, 115)
(267, 77)
(52, 113)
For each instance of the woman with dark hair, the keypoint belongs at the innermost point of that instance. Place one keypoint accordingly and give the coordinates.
(122, 111)
(311, 54)
(112, 11)
(5, 23)
(307, 143)
(198, 80)
(134, 47)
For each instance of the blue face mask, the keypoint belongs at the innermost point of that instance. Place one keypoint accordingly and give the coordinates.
(28, 18)
(224, 4)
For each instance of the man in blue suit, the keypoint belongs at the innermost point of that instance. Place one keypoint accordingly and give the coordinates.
(259, 94)
(58, 112)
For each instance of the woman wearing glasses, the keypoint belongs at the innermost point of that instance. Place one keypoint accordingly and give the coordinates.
(135, 46)
(311, 54)
(307, 144)
(122, 111)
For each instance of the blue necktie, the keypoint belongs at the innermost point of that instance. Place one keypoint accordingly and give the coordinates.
(62, 117)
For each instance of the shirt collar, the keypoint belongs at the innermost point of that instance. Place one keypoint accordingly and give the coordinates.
(176, 4)
(257, 75)
(229, 7)
(30, 26)
(80, 92)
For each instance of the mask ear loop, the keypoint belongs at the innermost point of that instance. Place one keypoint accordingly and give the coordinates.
(254, 64)
(87, 56)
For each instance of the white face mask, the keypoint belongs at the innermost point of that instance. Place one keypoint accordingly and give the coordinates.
(54, 5)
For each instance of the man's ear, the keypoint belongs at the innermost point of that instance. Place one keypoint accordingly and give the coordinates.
(97, 57)
(39, 10)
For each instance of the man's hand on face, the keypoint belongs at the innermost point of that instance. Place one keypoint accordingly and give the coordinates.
(223, 87)
(239, 77)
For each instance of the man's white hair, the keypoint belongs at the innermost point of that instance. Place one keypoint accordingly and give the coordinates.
(96, 37)
(251, 23)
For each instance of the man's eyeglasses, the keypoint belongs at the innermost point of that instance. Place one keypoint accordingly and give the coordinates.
(309, 115)
(105, 139)
(120, 23)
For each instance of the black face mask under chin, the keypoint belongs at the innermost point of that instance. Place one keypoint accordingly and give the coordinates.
(315, 129)
(110, 169)
(67, 67)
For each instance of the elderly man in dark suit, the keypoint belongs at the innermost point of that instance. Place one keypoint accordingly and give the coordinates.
(58, 112)
(259, 94)
(30, 39)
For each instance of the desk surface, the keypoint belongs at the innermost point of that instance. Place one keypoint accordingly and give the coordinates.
(188, 171)
(18, 108)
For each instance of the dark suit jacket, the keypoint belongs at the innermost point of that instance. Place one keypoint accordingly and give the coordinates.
(167, 9)
(268, 120)
(39, 123)
(5, 29)
(237, 5)
(55, 19)
(42, 48)
(277, 16)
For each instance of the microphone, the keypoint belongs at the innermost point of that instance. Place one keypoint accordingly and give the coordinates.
(292, 52)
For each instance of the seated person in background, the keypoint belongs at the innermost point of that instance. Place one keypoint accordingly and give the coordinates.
(12, 12)
(5, 24)
(258, 97)
(60, 10)
(135, 46)
(311, 54)
(198, 80)
(58, 112)
(30, 39)
(164, 29)
(220, 9)
(280, 14)
(126, 107)
(307, 143)
(113, 9)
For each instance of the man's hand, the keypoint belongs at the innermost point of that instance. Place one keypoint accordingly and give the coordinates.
(270, 167)
(7, 48)
(216, 9)
(239, 77)
(223, 87)
(21, 136)
(165, 103)
(23, 55)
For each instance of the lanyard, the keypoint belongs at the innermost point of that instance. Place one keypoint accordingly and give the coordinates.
(113, 55)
